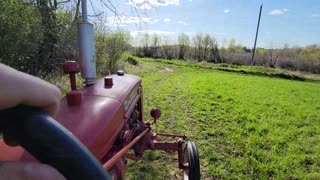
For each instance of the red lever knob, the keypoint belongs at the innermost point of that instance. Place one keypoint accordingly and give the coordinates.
(70, 67)
(74, 97)
(155, 113)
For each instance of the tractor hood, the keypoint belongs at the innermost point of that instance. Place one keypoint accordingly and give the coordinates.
(97, 121)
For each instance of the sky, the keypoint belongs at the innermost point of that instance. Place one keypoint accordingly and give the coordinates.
(292, 22)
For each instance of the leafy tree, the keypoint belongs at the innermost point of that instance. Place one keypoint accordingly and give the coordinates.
(260, 51)
(21, 31)
(311, 52)
(109, 48)
(239, 48)
(247, 50)
(37, 34)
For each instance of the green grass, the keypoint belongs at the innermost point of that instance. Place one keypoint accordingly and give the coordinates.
(252, 70)
(246, 126)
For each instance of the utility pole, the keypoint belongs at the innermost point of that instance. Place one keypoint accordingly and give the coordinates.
(255, 41)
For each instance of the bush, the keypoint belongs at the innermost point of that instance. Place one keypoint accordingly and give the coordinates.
(109, 49)
(132, 61)
(20, 32)
(287, 64)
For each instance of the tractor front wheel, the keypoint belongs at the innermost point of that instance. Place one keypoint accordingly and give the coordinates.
(191, 162)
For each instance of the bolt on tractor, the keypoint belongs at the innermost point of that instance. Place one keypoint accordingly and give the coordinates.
(95, 127)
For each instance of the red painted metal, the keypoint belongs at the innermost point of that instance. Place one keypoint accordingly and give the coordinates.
(166, 146)
(108, 82)
(96, 122)
(123, 151)
(73, 81)
(171, 135)
(155, 113)
(71, 68)
(74, 98)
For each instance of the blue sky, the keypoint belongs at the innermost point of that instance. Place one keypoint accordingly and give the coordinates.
(296, 22)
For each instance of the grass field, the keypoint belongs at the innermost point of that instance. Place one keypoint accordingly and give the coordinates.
(245, 126)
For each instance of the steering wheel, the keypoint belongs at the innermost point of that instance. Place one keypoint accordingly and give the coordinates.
(50, 143)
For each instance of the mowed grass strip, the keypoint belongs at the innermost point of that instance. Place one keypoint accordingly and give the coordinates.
(245, 126)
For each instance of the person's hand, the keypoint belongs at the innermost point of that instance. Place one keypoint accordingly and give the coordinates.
(20, 88)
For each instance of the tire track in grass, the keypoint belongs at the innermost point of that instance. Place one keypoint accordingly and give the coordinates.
(165, 91)
(246, 127)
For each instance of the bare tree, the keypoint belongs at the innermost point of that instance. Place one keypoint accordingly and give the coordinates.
(231, 49)
(273, 55)
(198, 45)
(155, 44)
(183, 44)
(145, 44)
(223, 50)
(206, 43)
(166, 48)
(214, 51)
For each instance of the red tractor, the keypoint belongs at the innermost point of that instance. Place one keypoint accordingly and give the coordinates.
(95, 126)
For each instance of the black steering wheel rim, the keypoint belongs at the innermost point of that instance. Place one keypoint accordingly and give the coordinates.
(50, 143)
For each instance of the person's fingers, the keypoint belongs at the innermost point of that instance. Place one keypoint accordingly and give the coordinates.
(51, 109)
(28, 171)
(21, 88)
(46, 97)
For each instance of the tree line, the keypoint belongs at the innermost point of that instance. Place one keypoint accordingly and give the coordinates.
(204, 47)
(37, 36)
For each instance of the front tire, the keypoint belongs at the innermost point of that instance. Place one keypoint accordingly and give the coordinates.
(191, 162)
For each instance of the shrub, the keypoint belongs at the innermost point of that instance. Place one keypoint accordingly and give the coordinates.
(132, 61)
